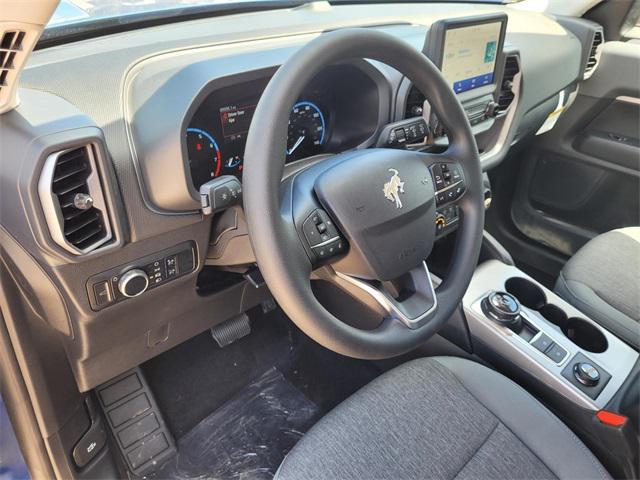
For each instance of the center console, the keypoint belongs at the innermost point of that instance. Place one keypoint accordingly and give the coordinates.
(530, 327)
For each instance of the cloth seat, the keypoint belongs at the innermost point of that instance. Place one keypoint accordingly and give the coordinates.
(603, 280)
(440, 418)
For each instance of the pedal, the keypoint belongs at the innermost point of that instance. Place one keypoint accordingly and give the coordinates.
(231, 330)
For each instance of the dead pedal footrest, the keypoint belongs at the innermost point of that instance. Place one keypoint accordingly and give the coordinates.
(136, 422)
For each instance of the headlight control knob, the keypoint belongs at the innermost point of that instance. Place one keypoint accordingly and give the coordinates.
(134, 282)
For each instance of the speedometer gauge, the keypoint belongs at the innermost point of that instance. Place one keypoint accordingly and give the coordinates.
(306, 130)
(205, 159)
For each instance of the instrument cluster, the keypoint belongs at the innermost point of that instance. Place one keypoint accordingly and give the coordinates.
(321, 121)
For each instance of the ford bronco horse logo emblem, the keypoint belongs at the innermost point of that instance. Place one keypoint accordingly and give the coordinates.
(393, 188)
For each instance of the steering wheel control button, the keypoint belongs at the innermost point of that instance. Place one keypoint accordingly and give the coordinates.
(556, 353)
(331, 249)
(448, 182)
(438, 180)
(503, 308)
(319, 229)
(133, 283)
(586, 374)
(542, 342)
(220, 193)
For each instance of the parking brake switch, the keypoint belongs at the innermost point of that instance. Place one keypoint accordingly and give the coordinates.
(220, 193)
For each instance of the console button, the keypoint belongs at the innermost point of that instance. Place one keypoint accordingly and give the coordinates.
(556, 353)
(542, 343)
(586, 374)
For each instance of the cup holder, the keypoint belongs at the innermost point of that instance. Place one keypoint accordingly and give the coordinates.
(554, 314)
(585, 335)
(528, 293)
(579, 331)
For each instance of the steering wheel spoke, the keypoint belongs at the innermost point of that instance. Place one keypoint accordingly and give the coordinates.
(410, 299)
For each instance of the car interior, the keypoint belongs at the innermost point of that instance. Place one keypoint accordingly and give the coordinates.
(344, 239)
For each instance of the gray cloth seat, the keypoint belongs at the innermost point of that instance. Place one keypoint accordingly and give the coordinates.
(603, 280)
(440, 418)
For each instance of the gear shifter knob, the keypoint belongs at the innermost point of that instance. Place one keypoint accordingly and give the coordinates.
(503, 308)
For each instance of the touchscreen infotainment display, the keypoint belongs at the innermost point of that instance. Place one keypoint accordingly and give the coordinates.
(469, 55)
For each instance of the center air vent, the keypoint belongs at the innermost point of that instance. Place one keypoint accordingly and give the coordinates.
(592, 61)
(511, 69)
(73, 201)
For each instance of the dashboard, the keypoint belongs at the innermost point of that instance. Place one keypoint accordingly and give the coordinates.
(157, 112)
(337, 111)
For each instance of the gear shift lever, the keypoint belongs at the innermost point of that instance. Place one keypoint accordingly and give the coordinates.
(503, 308)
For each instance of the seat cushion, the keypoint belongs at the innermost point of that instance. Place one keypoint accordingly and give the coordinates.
(441, 417)
(603, 280)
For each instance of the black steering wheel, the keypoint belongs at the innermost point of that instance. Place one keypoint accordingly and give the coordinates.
(368, 214)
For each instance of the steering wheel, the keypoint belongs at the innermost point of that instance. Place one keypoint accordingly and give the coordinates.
(366, 216)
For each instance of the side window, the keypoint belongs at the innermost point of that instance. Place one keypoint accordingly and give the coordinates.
(631, 25)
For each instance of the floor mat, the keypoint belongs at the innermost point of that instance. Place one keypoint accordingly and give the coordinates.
(247, 437)
(197, 377)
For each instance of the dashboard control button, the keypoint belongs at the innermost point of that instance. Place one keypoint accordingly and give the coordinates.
(542, 343)
(171, 265)
(186, 261)
(102, 293)
(400, 135)
(556, 353)
(321, 228)
(133, 283)
(586, 374)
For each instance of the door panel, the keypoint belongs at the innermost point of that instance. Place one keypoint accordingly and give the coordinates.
(582, 178)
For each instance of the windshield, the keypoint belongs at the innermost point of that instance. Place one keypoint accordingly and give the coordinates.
(71, 12)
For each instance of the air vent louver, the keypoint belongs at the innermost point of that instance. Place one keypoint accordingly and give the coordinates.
(73, 201)
(511, 69)
(10, 47)
(592, 61)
